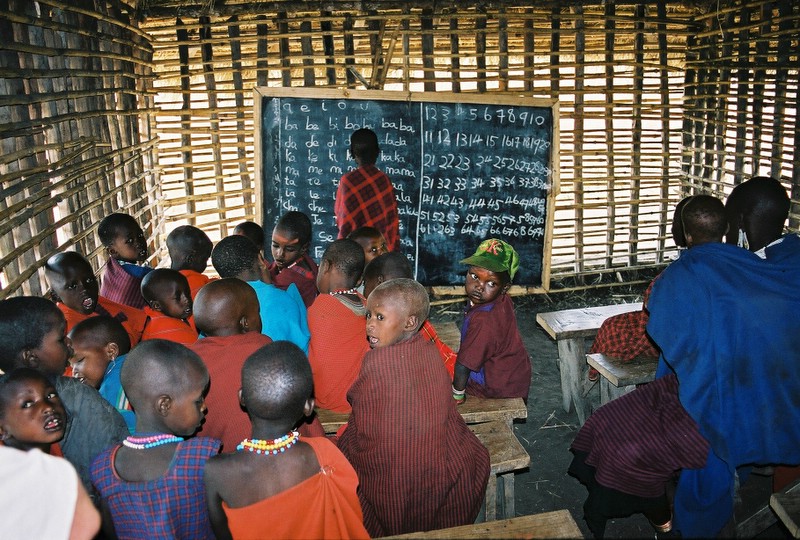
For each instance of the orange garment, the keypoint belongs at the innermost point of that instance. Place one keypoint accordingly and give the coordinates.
(447, 354)
(132, 319)
(323, 506)
(196, 280)
(337, 346)
(160, 326)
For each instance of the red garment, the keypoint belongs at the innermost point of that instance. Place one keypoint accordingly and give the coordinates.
(365, 197)
(338, 344)
(447, 354)
(133, 320)
(419, 465)
(121, 286)
(224, 357)
(196, 280)
(624, 336)
(492, 348)
(305, 280)
(160, 326)
(323, 506)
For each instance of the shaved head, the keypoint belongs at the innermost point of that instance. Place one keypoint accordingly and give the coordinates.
(277, 382)
(407, 294)
(227, 306)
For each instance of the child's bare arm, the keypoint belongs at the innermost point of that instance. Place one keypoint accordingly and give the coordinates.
(460, 377)
(219, 522)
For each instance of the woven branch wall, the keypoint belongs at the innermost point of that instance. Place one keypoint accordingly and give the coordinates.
(76, 142)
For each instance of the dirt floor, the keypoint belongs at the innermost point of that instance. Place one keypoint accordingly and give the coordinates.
(549, 430)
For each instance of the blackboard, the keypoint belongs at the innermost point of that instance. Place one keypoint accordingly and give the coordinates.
(464, 168)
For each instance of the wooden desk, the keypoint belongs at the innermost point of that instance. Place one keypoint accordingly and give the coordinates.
(558, 524)
(787, 508)
(475, 410)
(618, 375)
(569, 327)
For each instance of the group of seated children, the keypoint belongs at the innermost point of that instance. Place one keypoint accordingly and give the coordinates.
(225, 359)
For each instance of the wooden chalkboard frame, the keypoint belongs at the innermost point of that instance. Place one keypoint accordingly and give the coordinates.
(495, 98)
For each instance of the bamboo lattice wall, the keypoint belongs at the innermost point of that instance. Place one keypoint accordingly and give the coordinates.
(75, 138)
(658, 99)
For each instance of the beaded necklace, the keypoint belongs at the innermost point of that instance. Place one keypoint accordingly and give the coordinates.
(270, 446)
(150, 441)
(344, 291)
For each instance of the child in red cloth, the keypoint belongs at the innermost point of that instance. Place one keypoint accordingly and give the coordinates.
(292, 264)
(31, 413)
(75, 291)
(126, 246)
(189, 249)
(152, 484)
(419, 465)
(371, 240)
(307, 482)
(396, 265)
(169, 307)
(253, 232)
(492, 360)
(336, 322)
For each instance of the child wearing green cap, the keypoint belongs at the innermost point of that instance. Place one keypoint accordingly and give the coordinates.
(492, 361)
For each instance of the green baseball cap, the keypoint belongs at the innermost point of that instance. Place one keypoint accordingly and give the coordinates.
(495, 255)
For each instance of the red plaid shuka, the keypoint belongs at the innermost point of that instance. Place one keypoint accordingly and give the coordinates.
(624, 336)
(365, 198)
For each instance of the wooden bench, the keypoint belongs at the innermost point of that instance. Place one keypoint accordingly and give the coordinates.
(506, 456)
(619, 376)
(786, 505)
(558, 524)
(570, 327)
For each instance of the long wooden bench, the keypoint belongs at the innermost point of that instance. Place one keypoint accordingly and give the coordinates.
(557, 524)
(619, 377)
(474, 410)
(570, 327)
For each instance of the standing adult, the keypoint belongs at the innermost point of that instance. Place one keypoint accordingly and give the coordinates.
(365, 196)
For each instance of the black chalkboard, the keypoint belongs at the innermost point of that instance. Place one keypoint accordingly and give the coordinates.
(464, 168)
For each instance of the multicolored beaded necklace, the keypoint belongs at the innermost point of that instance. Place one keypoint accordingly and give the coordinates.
(270, 446)
(344, 291)
(150, 441)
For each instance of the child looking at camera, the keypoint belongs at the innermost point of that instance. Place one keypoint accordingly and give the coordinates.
(492, 361)
(31, 413)
(436, 478)
(126, 246)
(169, 307)
(307, 482)
(152, 484)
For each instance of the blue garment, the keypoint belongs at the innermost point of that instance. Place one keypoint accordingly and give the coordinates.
(727, 324)
(111, 390)
(283, 314)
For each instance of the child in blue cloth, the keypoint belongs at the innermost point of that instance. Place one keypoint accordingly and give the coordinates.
(283, 313)
(152, 484)
(99, 346)
(492, 361)
(126, 246)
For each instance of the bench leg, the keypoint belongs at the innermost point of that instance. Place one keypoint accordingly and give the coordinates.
(509, 510)
(572, 358)
(491, 498)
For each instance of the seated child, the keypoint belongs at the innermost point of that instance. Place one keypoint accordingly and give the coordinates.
(253, 231)
(226, 312)
(292, 264)
(336, 321)
(492, 360)
(124, 241)
(283, 313)
(308, 483)
(396, 265)
(99, 346)
(169, 307)
(371, 240)
(31, 413)
(435, 478)
(189, 249)
(75, 291)
(152, 484)
(32, 334)
(704, 221)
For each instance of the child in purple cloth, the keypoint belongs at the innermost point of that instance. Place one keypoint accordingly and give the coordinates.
(492, 360)
(125, 243)
(152, 485)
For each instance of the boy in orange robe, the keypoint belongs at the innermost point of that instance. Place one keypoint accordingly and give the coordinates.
(306, 482)
(189, 250)
(76, 292)
(169, 308)
(336, 322)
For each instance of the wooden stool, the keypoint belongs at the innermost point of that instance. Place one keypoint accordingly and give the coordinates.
(558, 524)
